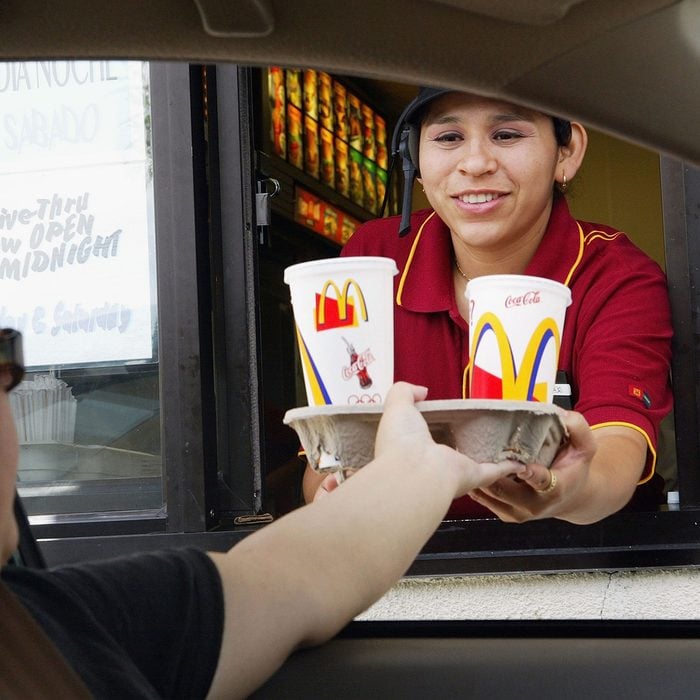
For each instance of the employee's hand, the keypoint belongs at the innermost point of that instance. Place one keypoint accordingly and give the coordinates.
(330, 482)
(593, 474)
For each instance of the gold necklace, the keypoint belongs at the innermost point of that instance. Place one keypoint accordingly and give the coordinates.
(461, 271)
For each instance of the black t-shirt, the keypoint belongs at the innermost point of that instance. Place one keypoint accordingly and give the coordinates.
(144, 626)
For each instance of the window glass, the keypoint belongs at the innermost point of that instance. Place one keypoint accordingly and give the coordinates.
(77, 278)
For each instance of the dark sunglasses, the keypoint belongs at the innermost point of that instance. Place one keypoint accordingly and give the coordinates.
(11, 356)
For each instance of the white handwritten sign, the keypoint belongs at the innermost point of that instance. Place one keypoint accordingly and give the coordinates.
(77, 270)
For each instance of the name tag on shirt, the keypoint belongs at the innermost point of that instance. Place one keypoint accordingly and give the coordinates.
(561, 393)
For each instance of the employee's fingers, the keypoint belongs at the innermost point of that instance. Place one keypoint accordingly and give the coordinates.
(331, 482)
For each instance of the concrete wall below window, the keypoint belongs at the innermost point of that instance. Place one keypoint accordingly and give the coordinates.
(616, 595)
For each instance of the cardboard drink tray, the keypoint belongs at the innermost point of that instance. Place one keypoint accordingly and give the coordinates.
(487, 430)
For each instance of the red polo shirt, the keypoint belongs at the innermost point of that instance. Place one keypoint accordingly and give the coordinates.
(616, 346)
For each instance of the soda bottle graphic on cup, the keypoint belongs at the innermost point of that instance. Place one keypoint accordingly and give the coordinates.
(362, 374)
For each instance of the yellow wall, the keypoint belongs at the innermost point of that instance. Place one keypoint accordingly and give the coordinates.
(619, 185)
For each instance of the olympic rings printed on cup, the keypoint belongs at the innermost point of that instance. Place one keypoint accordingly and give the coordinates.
(364, 399)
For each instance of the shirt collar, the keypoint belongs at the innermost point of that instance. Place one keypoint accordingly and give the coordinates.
(426, 279)
(559, 253)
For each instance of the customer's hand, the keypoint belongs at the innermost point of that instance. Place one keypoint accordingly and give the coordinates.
(403, 432)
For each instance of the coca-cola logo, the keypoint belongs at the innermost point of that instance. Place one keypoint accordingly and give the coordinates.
(364, 359)
(523, 300)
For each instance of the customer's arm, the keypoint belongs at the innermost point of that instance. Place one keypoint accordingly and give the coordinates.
(298, 581)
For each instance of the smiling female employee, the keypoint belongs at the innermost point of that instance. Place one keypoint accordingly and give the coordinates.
(495, 175)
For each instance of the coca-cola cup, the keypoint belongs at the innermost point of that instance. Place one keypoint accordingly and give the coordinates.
(344, 317)
(515, 329)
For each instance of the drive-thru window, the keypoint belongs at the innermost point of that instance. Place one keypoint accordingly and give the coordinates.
(148, 213)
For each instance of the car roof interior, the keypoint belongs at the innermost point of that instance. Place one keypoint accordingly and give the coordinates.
(590, 59)
(593, 60)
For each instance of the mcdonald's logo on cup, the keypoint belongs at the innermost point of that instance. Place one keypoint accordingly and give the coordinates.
(344, 318)
(515, 327)
(342, 309)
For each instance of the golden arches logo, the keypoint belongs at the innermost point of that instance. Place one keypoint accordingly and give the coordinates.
(518, 383)
(344, 304)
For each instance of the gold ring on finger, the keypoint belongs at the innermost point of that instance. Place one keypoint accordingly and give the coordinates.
(552, 483)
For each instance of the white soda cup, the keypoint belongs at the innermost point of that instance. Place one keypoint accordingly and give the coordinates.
(515, 329)
(344, 317)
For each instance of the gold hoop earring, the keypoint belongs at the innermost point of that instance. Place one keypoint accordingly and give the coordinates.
(564, 183)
